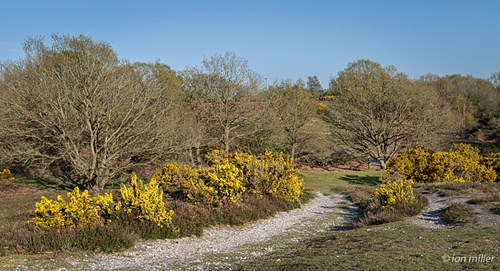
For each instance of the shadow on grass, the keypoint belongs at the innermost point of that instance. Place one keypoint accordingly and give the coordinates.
(48, 183)
(361, 180)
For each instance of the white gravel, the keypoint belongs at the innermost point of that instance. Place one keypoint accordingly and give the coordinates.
(163, 254)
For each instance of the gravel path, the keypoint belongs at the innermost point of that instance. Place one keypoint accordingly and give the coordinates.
(431, 217)
(163, 254)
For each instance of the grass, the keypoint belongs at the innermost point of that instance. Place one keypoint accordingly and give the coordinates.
(394, 246)
(326, 182)
(459, 213)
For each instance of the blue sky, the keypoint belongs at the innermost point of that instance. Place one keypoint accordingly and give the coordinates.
(280, 39)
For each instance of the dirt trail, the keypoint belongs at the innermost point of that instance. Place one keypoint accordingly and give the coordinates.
(164, 254)
(431, 217)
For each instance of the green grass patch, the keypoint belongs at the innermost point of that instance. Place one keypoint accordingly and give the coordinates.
(458, 213)
(326, 182)
(394, 246)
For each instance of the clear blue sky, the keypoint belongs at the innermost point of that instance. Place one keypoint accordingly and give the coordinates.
(280, 39)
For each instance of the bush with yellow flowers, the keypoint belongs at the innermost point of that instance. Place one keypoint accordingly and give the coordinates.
(277, 176)
(411, 164)
(5, 177)
(81, 209)
(172, 176)
(223, 181)
(492, 161)
(462, 164)
(394, 192)
(139, 201)
(229, 175)
(144, 202)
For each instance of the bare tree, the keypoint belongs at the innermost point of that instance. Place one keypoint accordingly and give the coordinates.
(293, 107)
(379, 112)
(76, 109)
(223, 93)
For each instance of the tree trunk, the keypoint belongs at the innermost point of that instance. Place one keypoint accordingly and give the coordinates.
(226, 139)
(383, 164)
(292, 152)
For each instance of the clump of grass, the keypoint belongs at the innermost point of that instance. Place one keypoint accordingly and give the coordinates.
(458, 213)
(375, 216)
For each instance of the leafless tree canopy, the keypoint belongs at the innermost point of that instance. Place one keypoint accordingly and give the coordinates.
(77, 110)
(223, 95)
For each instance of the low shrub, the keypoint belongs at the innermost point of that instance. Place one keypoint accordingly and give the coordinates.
(144, 202)
(139, 201)
(458, 213)
(230, 175)
(392, 201)
(392, 193)
(81, 210)
(28, 238)
(5, 177)
(462, 164)
(374, 216)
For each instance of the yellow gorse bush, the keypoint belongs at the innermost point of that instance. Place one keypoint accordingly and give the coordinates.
(81, 209)
(172, 175)
(142, 201)
(492, 161)
(5, 177)
(463, 164)
(230, 175)
(277, 176)
(145, 202)
(395, 192)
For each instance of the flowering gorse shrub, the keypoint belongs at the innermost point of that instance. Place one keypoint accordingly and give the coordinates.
(172, 175)
(5, 177)
(81, 209)
(492, 161)
(145, 202)
(139, 200)
(276, 175)
(463, 164)
(229, 175)
(394, 192)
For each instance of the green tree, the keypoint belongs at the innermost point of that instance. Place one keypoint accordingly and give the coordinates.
(379, 112)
